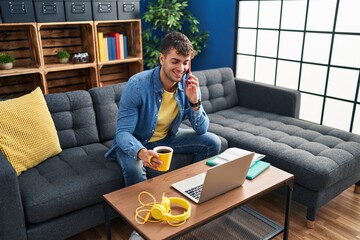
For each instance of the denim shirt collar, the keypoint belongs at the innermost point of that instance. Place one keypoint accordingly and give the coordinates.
(158, 87)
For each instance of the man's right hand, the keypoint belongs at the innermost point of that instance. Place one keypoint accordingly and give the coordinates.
(144, 155)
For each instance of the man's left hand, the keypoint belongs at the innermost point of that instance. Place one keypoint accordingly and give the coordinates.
(192, 88)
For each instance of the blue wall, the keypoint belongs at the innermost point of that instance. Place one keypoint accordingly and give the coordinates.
(217, 17)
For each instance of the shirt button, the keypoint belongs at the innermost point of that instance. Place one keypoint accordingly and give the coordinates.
(152, 130)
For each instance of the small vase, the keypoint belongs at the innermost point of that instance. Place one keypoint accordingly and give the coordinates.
(63, 60)
(6, 66)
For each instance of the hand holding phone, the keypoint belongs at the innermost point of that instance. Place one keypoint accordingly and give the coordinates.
(192, 87)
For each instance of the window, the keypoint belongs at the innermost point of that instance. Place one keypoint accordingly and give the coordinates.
(310, 46)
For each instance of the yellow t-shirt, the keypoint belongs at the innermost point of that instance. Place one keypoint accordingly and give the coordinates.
(167, 113)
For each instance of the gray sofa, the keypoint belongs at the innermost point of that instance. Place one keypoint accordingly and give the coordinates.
(63, 195)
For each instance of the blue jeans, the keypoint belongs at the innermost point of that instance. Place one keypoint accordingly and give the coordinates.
(185, 142)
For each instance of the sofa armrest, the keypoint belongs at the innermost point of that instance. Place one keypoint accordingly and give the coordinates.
(12, 218)
(268, 98)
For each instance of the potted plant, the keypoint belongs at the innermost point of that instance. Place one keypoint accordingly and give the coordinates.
(164, 16)
(6, 61)
(63, 56)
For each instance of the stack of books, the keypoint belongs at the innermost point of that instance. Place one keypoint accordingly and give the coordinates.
(257, 165)
(112, 46)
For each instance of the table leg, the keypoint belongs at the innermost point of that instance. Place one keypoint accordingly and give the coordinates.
(290, 185)
(107, 220)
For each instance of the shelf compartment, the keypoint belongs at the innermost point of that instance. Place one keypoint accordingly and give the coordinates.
(127, 60)
(21, 41)
(68, 66)
(131, 29)
(19, 71)
(74, 37)
(16, 86)
(70, 80)
(117, 73)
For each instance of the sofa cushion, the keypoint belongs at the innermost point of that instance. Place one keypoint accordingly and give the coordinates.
(74, 118)
(106, 103)
(319, 155)
(27, 132)
(218, 90)
(72, 180)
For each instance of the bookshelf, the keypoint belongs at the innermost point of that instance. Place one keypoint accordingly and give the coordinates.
(119, 70)
(35, 45)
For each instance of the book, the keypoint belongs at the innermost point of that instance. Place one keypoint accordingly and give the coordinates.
(111, 48)
(105, 44)
(113, 42)
(256, 169)
(231, 154)
(101, 46)
(121, 43)
(125, 47)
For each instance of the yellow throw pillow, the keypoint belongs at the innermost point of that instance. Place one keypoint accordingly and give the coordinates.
(27, 131)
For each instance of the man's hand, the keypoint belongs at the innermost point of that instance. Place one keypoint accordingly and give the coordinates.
(192, 88)
(144, 155)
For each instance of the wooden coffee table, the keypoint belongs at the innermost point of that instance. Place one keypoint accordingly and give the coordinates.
(125, 200)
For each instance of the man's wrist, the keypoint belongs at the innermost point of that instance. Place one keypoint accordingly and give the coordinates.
(195, 105)
(142, 150)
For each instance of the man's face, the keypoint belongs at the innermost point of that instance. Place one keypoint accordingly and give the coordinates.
(174, 66)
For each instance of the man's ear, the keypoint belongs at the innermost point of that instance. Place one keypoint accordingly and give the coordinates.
(161, 58)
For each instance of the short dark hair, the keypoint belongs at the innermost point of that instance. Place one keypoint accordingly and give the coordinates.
(179, 42)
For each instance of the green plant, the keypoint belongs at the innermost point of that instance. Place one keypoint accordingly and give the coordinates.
(63, 54)
(163, 17)
(6, 58)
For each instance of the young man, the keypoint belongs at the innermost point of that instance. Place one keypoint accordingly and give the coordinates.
(152, 107)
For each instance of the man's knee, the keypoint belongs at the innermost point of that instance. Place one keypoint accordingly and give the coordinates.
(133, 170)
(213, 142)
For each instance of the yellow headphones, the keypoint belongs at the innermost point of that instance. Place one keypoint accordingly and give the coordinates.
(162, 211)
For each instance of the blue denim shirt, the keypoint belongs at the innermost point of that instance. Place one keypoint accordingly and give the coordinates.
(138, 111)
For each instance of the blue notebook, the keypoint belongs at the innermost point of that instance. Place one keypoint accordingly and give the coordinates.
(256, 169)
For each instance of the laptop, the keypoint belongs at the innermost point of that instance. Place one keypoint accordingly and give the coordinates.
(216, 180)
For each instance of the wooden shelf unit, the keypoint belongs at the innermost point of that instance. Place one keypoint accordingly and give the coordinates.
(21, 41)
(35, 45)
(115, 71)
(70, 80)
(74, 37)
(13, 86)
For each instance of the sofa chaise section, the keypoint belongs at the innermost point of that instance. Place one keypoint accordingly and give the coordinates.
(264, 119)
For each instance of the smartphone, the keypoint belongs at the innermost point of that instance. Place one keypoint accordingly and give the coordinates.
(188, 72)
(189, 69)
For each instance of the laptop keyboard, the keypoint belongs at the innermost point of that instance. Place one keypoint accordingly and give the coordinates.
(195, 191)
